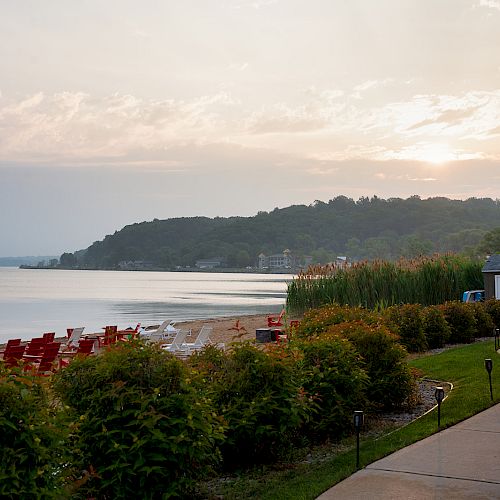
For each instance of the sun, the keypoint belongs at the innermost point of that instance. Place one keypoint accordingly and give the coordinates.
(435, 153)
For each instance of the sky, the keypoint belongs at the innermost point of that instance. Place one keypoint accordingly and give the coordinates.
(124, 111)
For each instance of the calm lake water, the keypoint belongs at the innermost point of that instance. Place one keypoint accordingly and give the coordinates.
(33, 301)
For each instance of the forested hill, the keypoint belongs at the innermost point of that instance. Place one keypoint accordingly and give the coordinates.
(364, 229)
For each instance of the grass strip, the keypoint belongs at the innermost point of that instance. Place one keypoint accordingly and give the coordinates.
(463, 366)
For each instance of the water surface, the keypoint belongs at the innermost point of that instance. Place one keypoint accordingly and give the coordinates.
(33, 301)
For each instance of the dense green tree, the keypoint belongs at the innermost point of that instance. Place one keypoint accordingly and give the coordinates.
(491, 242)
(365, 229)
(67, 260)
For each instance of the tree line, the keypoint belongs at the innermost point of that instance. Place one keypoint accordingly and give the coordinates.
(368, 228)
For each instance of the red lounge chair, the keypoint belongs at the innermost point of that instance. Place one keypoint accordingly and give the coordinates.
(49, 337)
(40, 364)
(10, 343)
(84, 349)
(14, 356)
(276, 320)
(110, 336)
(35, 346)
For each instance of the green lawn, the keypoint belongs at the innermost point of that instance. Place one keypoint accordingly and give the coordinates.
(463, 366)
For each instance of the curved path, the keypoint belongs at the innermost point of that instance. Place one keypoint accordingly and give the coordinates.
(461, 462)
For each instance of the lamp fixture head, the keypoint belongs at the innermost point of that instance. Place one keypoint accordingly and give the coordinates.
(488, 364)
(358, 419)
(439, 394)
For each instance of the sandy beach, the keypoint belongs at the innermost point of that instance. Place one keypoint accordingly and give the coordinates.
(225, 329)
(230, 329)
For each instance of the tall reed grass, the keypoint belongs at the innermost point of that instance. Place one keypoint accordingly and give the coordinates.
(379, 284)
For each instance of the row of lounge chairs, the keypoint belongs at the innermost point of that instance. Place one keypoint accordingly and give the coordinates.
(42, 355)
(175, 340)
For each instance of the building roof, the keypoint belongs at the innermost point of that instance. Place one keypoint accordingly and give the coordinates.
(492, 265)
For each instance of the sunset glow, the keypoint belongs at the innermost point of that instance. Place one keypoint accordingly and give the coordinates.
(237, 106)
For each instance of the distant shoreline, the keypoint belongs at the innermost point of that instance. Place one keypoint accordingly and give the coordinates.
(183, 270)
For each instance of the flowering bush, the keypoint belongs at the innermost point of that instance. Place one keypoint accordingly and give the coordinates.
(258, 394)
(408, 321)
(436, 329)
(32, 444)
(460, 318)
(143, 429)
(333, 376)
(391, 384)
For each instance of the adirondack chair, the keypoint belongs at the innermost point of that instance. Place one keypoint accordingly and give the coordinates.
(45, 362)
(74, 337)
(110, 336)
(276, 320)
(10, 343)
(49, 336)
(14, 356)
(84, 349)
(35, 346)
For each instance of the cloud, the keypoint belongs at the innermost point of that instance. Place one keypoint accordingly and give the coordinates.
(283, 119)
(77, 125)
(492, 4)
(316, 124)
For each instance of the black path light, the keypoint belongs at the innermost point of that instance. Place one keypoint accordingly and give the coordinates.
(497, 339)
(439, 395)
(358, 423)
(488, 364)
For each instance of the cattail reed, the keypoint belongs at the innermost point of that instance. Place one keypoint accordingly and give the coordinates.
(379, 284)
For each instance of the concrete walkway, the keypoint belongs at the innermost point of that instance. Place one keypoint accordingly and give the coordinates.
(460, 462)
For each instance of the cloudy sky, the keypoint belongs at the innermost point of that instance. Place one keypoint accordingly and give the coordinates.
(123, 111)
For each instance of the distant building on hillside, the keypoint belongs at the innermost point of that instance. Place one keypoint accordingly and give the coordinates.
(136, 265)
(284, 260)
(210, 263)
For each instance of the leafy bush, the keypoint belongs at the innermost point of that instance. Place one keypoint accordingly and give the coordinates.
(436, 328)
(258, 394)
(32, 444)
(492, 307)
(316, 321)
(391, 384)
(484, 322)
(460, 318)
(142, 426)
(409, 323)
(333, 376)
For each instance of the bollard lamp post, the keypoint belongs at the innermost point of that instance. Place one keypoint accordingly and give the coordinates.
(439, 395)
(358, 423)
(488, 364)
(497, 338)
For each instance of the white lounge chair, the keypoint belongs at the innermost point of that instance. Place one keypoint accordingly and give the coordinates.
(177, 341)
(164, 330)
(201, 341)
(74, 338)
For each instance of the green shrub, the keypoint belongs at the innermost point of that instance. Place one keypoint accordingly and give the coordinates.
(333, 376)
(143, 428)
(32, 444)
(492, 307)
(436, 328)
(391, 384)
(409, 323)
(484, 322)
(460, 318)
(316, 321)
(258, 394)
